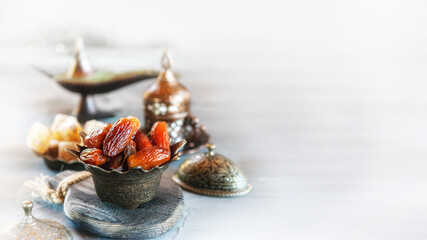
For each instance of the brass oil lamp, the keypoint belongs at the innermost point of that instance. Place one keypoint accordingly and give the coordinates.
(82, 78)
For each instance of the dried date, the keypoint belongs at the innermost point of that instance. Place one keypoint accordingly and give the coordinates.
(119, 135)
(159, 135)
(95, 138)
(141, 140)
(93, 156)
(149, 157)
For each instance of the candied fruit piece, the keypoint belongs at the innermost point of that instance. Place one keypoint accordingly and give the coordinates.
(95, 138)
(91, 124)
(66, 128)
(119, 135)
(149, 157)
(38, 138)
(159, 134)
(52, 151)
(62, 154)
(141, 140)
(93, 156)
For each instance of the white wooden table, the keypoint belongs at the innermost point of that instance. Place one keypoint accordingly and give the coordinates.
(332, 140)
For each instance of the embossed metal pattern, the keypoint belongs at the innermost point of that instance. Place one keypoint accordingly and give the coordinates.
(212, 174)
(195, 134)
(32, 228)
(166, 109)
(208, 192)
(127, 190)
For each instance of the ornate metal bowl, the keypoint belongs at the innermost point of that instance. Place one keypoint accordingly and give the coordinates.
(130, 188)
(60, 165)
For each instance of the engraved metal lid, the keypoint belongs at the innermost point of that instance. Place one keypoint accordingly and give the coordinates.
(211, 174)
(33, 228)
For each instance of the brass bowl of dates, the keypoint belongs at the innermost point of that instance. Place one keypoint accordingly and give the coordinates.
(126, 164)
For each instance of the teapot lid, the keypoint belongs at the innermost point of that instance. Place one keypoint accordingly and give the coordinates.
(34, 228)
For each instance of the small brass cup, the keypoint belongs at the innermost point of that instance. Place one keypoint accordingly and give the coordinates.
(131, 188)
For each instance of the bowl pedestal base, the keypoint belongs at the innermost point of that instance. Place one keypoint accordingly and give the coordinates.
(150, 219)
(86, 110)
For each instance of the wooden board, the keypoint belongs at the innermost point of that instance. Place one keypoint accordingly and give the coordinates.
(87, 211)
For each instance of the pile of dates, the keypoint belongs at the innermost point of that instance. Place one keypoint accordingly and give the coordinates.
(122, 146)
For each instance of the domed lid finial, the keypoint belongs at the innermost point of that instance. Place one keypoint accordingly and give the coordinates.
(28, 207)
(80, 65)
(211, 147)
(166, 60)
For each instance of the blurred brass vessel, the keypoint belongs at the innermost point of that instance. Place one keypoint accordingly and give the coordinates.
(167, 100)
(81, 78)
